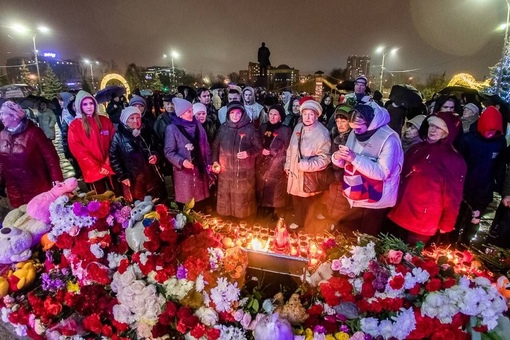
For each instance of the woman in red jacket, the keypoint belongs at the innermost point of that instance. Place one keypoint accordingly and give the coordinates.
(431, 184)
(89, 139)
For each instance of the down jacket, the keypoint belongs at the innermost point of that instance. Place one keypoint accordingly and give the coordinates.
(430, 190)
(129, 158)
(236, 180)
(29, 163)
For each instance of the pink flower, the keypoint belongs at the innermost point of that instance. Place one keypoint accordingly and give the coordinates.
(245, 322)
(395, 256)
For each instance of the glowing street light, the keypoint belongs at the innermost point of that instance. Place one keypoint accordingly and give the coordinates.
(176, 55)
(88, 62)
(24, 30)
(382, 50)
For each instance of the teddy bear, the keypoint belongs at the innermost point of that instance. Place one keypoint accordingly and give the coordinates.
(135, 236)
(293, 310)
(39, 206)
(19, 219)
(15, 245)
(23, 275)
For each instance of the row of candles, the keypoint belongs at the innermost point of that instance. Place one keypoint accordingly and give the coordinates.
(276, 240)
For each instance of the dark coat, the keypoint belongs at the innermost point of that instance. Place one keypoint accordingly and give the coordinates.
(188, 183)
(271, 178)
(236, 180)
(114, 110)
(129, 158)
(485, 167)
(211, 126)
(397, 118)
(29, 163)
(160, 125)
(431, 184)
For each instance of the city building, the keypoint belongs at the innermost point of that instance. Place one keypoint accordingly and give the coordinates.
(283, 76)
(253, 72)
(357, 65)
(244, 76)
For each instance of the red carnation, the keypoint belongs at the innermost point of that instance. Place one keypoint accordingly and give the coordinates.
(198, 331)
(368, 276)
(449, 282)
(123, 266)
(397, 282)
(415, 290)
(431, 267)
(433, 285)
(64, 241)
(315, 310)
(213, 334)
(53, 308)
(367, 290)
(93, 323)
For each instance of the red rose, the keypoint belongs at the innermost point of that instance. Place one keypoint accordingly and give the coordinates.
(397, 282)
(120, 326)
(449, 282)
(400, 268)
(433, 285)
(431, 267)
(315, 310)
(368, 276)
(107, 330)
(395, 256)
(53, 308)
(93, 323)
(367, 290)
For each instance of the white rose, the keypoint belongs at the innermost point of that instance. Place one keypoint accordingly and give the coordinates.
(127, 277)
(152, 309)
(207, 316)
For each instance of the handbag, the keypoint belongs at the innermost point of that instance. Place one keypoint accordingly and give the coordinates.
(316, 181)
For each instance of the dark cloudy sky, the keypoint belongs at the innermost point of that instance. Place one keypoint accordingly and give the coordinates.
(222, 36)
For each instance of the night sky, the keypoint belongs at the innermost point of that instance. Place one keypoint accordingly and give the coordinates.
(218, 37)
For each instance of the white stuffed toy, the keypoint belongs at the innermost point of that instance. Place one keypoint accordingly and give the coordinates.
(14, 245)
(272, 327)
(135, 236)
(18, 218)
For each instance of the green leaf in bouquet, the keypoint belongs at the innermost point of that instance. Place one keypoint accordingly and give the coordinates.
(255, 305)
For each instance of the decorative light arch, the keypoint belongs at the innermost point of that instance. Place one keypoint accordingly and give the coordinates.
(115, 76)
(466, 80)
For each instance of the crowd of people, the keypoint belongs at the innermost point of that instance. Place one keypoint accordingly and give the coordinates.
(362, 164)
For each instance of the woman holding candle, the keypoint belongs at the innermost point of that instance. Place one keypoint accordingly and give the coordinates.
(234, 151)
(271, 180)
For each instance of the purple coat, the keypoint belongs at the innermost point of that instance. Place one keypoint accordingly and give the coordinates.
(188, 183)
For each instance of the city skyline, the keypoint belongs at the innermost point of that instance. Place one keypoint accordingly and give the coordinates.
(219, 38)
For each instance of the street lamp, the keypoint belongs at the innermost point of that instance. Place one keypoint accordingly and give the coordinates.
(88, 62)
(22, 29)
(173, 54)
(381, 49)
(505, 45)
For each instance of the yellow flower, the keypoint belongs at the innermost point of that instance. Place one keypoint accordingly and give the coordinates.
(72, 287)
(341, 336)
(329, 337)
(308, 334)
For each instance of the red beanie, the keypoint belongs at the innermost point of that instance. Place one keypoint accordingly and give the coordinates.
(490, 119)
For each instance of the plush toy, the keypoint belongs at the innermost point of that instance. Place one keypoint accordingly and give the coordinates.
(4, 287)
(503, 285)
(135, 236)
(92, 196)
(14, 245)
(23, 276)
(273, 327)
(293, 310)
(18, 218)
(39, 206)
(323, 273)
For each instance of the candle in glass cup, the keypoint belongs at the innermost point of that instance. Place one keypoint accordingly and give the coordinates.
(313, 249)
(293, 251)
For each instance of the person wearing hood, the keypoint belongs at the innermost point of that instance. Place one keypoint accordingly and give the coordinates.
(253, 109)
(233, 95)
(470, 114)
(293, 116)
(89, 139)
(431, 185)
(372, 160)
(285, 99)
(134, 158)
(309, 151)
(234, 152)
(209, 125)
(29, 163)
(148, 118)
(271, 180)
(483, 148)
(412, 132)
(187, 149)
(327, 109)
(65, 101)
(47, 120)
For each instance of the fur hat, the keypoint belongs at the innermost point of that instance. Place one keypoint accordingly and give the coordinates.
(311, 104)
(435, 120)
(10, 106)
(280, 110)
(181, 106)
(137, 100)
(168, 98)
(128, 111)
(473, 108)
(235, 105)
(199, 107)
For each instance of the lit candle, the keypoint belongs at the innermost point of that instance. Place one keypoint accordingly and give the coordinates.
(313, 262)
(293, 251)
(313, 249)
(256, 244)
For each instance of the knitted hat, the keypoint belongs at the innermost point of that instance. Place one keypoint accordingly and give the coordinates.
(199, 107)
(417, 121)
(235, 105)
(361, 78)
(435, 120)
(311, 104)
(280, 110)
(473, 108)
(490, 119)
(137, 100)
(128, 111)
(365, 112)
(10, 106)
(181, 106)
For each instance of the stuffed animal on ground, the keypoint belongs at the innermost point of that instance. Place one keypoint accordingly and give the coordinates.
(19, 218)
(323, 273)
(135, 236)
(22, 276)
(108, 195)
(14, 245)
(293, 310)
(39, 206)
(503, 285)
(273, 327)
(4, 287)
